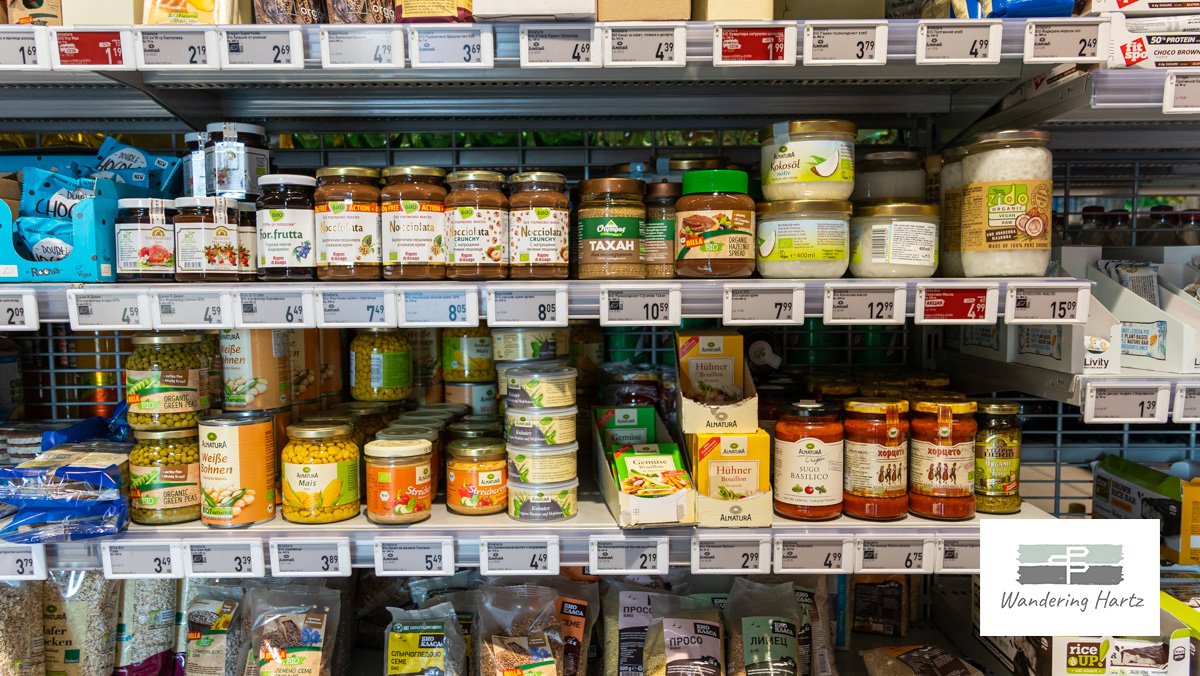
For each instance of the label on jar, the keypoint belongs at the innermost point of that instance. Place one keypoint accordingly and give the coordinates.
(896, 243)
(427, 358)
(951, 221)
(944, 471)
(997, 465)
(657, 238)
(1006, 216)
(286, 238)
(145, 248)
(247, 237)
(205, 247)
(610, 240)
(472, 489)
(809, 161)
(163, 392)
(236, 168)
(876, 470)
(160, 487)
(414, 232)
(399, 491)
(315, 486)
(538, 236)
(808, 472)
(348, 234)
(466, 354)
(803, 239)
(387, 369)
(722, 234)
(479, 397)
(477, 236)
(195, 173)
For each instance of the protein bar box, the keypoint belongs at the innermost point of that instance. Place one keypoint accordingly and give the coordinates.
(1153, 42)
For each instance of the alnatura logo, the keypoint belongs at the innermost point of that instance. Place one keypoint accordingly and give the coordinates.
(1093, 564)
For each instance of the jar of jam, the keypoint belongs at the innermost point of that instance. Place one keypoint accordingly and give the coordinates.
(414, 223)
(145, 240)
(876, 459)
(287, 230)
(809, 441)
(347, 207)
(942, 459)
(714, 225)
(539, 226)
(835, 390)
(236, 154)
(247, 251)
(195, 172)
(477, 217)
(205, 239)
(998, 457)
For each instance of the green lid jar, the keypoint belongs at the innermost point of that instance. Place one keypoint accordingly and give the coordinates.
(714, 225)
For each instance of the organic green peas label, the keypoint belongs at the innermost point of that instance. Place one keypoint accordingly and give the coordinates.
(163, 392)
(164, 486)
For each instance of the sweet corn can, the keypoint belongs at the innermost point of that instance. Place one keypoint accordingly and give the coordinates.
(237, 470)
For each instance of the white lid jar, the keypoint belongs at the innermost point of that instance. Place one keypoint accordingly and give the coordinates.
(894, 240)
(803, 239)
(890, 176)
(950, 186)
(808, 159)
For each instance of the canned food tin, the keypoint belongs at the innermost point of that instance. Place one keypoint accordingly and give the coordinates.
(237, 470)
(540, 388)
(481, 397)
(540, 426)
(257, 368)
(526, 344)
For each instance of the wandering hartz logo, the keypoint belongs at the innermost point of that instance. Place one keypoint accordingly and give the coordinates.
(1070, 564)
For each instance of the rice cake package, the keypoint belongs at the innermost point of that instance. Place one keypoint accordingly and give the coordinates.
(361, 11)
(289, 11)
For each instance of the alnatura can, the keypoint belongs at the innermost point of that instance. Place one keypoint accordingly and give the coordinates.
(481, 397)
(540, 426)
(257, 366)
(526, 344)
(237, 470)
(540, 388)
(546, 465)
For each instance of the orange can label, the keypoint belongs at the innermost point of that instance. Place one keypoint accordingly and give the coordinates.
(237, 474)
(399, 490)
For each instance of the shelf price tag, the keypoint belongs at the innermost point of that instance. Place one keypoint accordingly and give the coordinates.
(1186, 408)
(92, 49)
(640, 306)
(845, 43)
(24, 48)
(504, 556)
(282, 309)
(360, 46)
(895, 556)
(223, 558)
(731, 556)
(414, 558)
(311, 558)
(1066, 41)
(754, 44)
(1126, 403)
(18, 310)
(799, 555)
(108, 309)
(958, 556)
(750, 305)
(1051, 304)
(954, 305)
(959, 41)
(1181, 93)
(122, 560)
(209, 309)
(508, 306)
(167, 48)
(439, 306)
(363, 308)
(855, 304)
(565, 46)
(260, 47)
(648, 46)
(628, 556)
(472, 47)
(22, 562)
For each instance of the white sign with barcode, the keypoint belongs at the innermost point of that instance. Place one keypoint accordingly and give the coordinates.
(959, 41)
(1046, 304)
(262, 48)
(799, 555)
(140, 560)
(641, 306)
(958, 556)
(458, 47)
(1126, 403)
(845, 43)
(854, 304)
(167, 48)
(563, 46)
(731, 555)
(510, 556)
(646, 46)
(1181, 93)
(18, 310)
(208, 309)
(24, 48)
(433, 557)
(628, 556)
(224, 558)
(361, 46)
(1186, 407)
(283, 309)
(22, 562)
(895, 556)
(365, 308)
(527, 306)
(1072, 40)
(108, 309)
(311, 558)
(444, 307)
(751, 305)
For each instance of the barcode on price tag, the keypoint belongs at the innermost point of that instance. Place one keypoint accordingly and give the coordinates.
(730, 556)
(895, 556)
(650, 46)
(18, 310)
(311, 558)
(630, 306)
(290, 309)
(439, 307)
(358, 46)
(472, 47)
(1181, 93)
(414, 558)
(1066, 41)
(516, 557)
(752, 305)
(140, 560)
(92, 49)
(22, 562)
(24, 48)
(561, 47)
(356, 309)
(959, 556)
(1126, 403)
(628, 556)
(262, 48)
(959, 41)
(224, 558)
(854, 304)
(844, 43)
(1046, 304)
(957, 305)
(1186, 408)
(798, 555)
(167, 48)
(108, 310)
(209, 309)
(527, 307)
(754, 44)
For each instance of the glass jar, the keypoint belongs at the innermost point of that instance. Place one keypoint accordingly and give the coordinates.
(477, 476)
(399, 480)
(998, 457)
(950, 185)
(205, 240)
(247, 239)
(145, 240)
(343, 418)
(372, 415)
(380, 365)
(803, 239)
(658, 234)
(876, 460)
(539, 227)
(414, 223)
(1007, 192)
(941, 460)
(210, 345)
(347, 219)
(1092, 226)
(195, 172)
(467, 355)
(611, 217)
(166, 381)
(287, 228)
(834, 390)
(1189, 227)
(475, 430)
(890, 176)
(894, 240)
(236, 154)
(1161, 231)
(808, 159)
(809, 442)
(714, 225)
(477, 218)
(320, 474)
(164, 477)
(459, 411)
(418, 431)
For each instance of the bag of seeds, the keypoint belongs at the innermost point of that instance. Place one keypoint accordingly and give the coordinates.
(626, 619)
(79, 623)
(763, 621)
(145, 627)
(425, 642)
(425, 587)
(371, 600)
(466, 609)
(216, 644)
(293, 629)
(684, 637)
(21, 652)
(249, 658)
(578, 608)
(518, 628)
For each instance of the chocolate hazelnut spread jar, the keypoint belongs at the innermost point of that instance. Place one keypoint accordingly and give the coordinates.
(287, 228)
(206, 239)
(476, 226)
(347, 206)
(145, 240)
(414, 223)
(714, 225)
(538, 226)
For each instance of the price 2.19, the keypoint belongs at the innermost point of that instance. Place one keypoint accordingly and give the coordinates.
(197, 54)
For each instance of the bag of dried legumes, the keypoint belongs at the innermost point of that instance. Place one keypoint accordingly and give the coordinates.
(685, 636)
(763, 621)
(518, 628)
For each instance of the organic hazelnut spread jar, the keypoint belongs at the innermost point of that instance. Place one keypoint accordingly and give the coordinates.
(611, 217)
(287, 228)
(205, 239)
(476, 226)
(714, 225)
(414, 223)
(539, 226)
(347, 206)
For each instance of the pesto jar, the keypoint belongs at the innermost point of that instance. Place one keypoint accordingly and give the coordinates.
(166, 381)
(164, 477)
(998, 457)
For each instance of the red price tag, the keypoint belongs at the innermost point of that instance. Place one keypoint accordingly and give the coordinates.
(957, 305)
(759, 45)
(90, 48)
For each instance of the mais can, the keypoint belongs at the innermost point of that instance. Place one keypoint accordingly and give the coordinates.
(237, 470)
(257, 367)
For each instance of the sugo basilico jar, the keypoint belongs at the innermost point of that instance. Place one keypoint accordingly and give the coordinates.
(808, 453)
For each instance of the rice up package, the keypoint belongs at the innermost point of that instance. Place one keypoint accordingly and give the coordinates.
(425, 642)
(294, 630)
(763, 621)
(684, 637)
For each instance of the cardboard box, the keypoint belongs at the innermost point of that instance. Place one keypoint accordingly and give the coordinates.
(109, 12)
(631, 511)
(1122, 489)
(733, 10)
(824, 9)
(1093, 348)
(732, 465)
(640, 10)
(1154, 338)
(47, 13)
(628, 425)
(990, 342)
(739, 417)
(711, 365)
(10, 188)
(1127, 49)
(1131, 7)
(535, 10)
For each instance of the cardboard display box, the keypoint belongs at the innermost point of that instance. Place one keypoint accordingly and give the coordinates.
(733, 10)
(823, 9)
(1154, 338)
(1127, 49)
(747, 458)
(632, 511)
(1093, 348)
(1122, 489)
(639, 10)
(535, 10)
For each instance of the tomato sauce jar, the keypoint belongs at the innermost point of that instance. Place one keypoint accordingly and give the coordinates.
(808, 461)
(942, 459)
(876, 459)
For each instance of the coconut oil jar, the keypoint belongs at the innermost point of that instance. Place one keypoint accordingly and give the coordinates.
(897, 239)
(808, 159)
(803, 239)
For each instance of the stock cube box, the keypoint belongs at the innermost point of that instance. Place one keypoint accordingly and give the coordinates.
(732, 473)
(639, 10)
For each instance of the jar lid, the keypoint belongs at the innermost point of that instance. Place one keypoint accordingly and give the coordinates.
(807, 408)
(166, 338)
(1090, 209)
(235, 418)
(897, 209)
(141, 203)
(808, 127)
(397, 448)
(631, 186)
(330, 419)
(483, 417)
(876, 405)
(476, 448)
(247, 207)
(408, 432)
(953, 154)
(476, 426)
(715, 180)
(553, 487)
(696, 163)
(194, 136)
(457, 409)
(288, 179)
(414, 170)
(165, 434)
(535, 372)
(317, 431)
(537, 177)
(933, 405)
(511, 411)
(484, 176)
(195, 202)
(663, 189)
(360, 172)
(240, 127)
(558, 449)
(891, 155)
(378, 329)
(881, 391)
(998, 407)
(421, 421)
(926, 379)
(794, 206)
(363, 407)
(425, 412)
(1001, 138)
(914, 395)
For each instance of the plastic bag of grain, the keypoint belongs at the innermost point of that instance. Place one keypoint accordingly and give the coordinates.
(216, 640)
(145, 626)
(578, 609)
(466, 609)
(763, 621)
(21, 652)
(80, 622)
(912, 660)
(294, 623)
(425, 641)
(685, 636)
(626, 620)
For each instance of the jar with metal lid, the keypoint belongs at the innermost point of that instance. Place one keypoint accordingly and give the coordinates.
(483, 417)
(941, 463)
(348, 225)
(467, 355)
(287, 228)
(399, 480)
(380, 365)
(808, 159)
(344, 418)
(320, 474)
(714, 225)
(477, 222)
(477, 476)
(658, 234)
(205, 239)
(166, 381)
(808, 449)
(1092, 226)
(674, 168)
(145, 231)
(475, 430)
(930, 380)
(611, 217)
(426, 418)
(875, 485)
(372, 415)
(950, 187)
(803, 239)
(835, 390)
(538, 233)
(247, 238)
(236, 154)
(164, 477)
(890, 176)
(1161, 230)
(894, 240)
(459, 410)
(998, 457)
(195, 171)
(414, 223)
